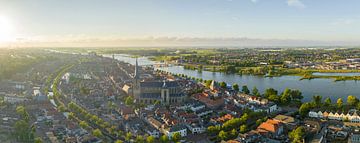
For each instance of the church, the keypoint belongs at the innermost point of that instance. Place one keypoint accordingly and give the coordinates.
(148, 92)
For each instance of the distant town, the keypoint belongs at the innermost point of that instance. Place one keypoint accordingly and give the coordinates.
(59, 96)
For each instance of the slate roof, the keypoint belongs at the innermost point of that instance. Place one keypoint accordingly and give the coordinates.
(150, 95)
(177, 127)
(159, 84)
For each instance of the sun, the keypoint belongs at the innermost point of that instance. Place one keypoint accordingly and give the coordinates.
(6, 29)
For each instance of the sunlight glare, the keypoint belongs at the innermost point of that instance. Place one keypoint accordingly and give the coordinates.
(6, 29)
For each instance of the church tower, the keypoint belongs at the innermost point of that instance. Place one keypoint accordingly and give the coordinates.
(136, 81)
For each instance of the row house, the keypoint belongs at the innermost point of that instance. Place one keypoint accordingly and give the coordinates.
(256, 104)
(352, 115)
(179, 128)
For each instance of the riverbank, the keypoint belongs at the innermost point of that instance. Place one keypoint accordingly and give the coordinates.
(275, 72)
(336, 78)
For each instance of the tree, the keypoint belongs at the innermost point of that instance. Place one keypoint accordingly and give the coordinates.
(243, 128)
(258, 122)
(222, 84)
(22, 112)
(327, 102)
(38, 140)
(128, 136)
(118, 141)
(23, 131)
(230, 69)
(150, 139)
(352, 100)
(176, 137)
(164, 139)
(339, 103)
(157, 102)
(270, 91)
(235, 122)
(139, 139)
(119, 133)
(129, 100)
(317, 100)
(97, 133)
(213, 130)
(61, 108)
(245, 89)
(297, 135)
(236, 87)
(255, 91)
(223, 135)
(304, 109)
(285, 96)
(233, 133)
(296, 94)
(274, 98)
(83, 125)
(244, 117)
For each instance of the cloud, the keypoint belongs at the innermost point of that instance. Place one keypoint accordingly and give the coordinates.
(296, 3)
(254, 1)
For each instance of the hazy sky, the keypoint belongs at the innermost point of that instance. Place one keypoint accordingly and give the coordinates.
(86, 20)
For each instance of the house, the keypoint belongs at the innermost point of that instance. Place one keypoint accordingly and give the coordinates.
(256, 104)
(127, 112)
(176, 129)
(155, 123)
(127, 89)
(196, 128)
(285, 119)
(152, 131)
(249, 137)
(352, 115)
(210, 100)
(203, 112)
(313, 114)
(12, 99)
(355, 137)
(223, 118)
(273, 126)
(197, 106)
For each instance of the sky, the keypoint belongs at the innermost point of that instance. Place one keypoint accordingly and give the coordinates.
(179, 22)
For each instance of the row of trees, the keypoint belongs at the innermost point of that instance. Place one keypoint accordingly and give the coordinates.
(61, 106)
(230, 128)
(150, 139)
(288, 96)
(90, 118)
(24, 131)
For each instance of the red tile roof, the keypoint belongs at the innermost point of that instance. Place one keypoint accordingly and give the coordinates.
(270, 125)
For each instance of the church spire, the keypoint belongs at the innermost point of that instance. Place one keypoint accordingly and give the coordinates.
(136, 74)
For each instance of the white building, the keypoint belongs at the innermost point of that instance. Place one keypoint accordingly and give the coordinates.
(14, 99)
(196, 128)
(176, 129)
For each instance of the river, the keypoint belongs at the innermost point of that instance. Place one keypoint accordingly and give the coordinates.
(323, 87)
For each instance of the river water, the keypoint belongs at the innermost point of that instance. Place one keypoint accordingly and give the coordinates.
(323, 87)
